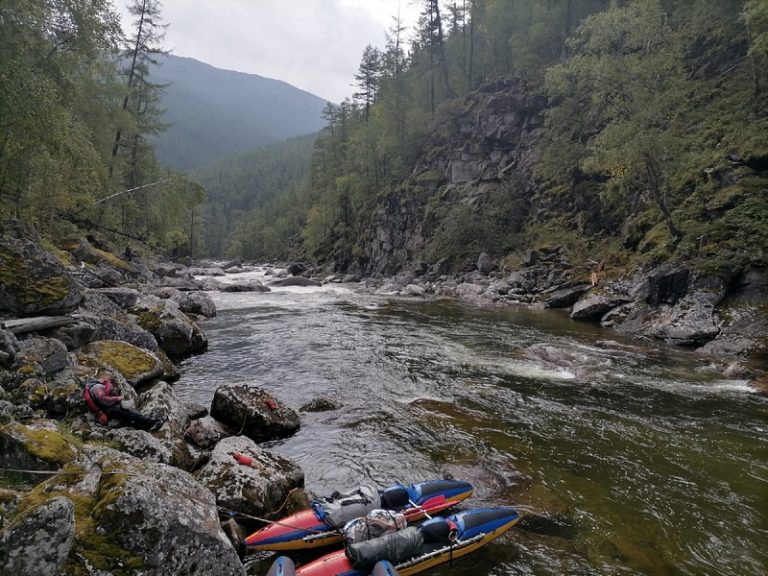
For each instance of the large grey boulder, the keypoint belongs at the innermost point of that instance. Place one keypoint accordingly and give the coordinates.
(174, 331)
(112, 323)
(160, 401)
(564, 297)
(49, 353)
(743, 315)
(595, 305)
(206, 432)
(198, 303)
(252, 285)
(136, 365)
(141, 444)
(253, 411)
(259, 488)
(679, 308)
(147, 519)
(33, 282)
(125, 298)
(35, 445)
(485, 263)
(38, 542)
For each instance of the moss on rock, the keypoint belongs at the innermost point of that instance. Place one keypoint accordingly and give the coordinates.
(134, 363)
(151, 319)
(98, 547)
(48, 445)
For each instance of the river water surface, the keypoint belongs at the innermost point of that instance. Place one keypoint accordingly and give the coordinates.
(626, 459)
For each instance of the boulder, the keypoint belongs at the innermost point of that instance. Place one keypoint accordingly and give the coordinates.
(320, 405)
(246, 286)
(141, 444)
(297, 268)
(77, 334)
(744, 317)
(667, 284)
(9, 347)
(175, 332)
(112, 323)
(594, 305)
(39, 540)
(195, 410)
(36, 445)
(564, 297)
(206, 432)
(295, 281)
(33, 282)
(160, 401)
(140, 517)
(124, 298)
(259, 489)
(50, 354)
(198, 303)
(690, 321)
(253, 411)
(135, 364)
(414, 290)
(485, 263)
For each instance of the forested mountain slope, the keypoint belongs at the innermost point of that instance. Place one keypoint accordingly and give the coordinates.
(212, 113)
(627, 132)
(264, 181)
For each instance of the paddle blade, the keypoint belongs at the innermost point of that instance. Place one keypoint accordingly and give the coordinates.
(283, 566)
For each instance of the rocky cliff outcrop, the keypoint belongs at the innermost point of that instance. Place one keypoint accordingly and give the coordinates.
(483, 151)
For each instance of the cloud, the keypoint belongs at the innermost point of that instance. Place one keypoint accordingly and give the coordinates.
(315, 45)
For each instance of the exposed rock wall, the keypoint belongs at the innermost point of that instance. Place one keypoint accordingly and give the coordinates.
(488, 144)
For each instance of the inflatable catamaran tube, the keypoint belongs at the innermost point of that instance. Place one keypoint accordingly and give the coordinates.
(415, 549)
(321, 525)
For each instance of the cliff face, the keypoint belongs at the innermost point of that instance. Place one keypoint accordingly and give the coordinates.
(477, 157)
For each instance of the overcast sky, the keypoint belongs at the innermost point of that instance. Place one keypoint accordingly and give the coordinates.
(315, 45)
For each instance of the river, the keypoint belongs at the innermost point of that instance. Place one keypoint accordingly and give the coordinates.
(625, 457)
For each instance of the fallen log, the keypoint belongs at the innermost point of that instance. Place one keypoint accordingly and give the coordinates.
(35, 324)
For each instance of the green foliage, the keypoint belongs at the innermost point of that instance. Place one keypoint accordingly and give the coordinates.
(49, 160)
(60, 108)
(256, 200)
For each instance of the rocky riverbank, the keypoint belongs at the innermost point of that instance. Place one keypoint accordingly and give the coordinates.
(721, 316)
(78, 497)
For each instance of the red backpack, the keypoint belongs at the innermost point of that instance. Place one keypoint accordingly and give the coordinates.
(101, 417)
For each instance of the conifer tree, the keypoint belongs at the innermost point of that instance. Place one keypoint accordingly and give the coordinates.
(367, 78)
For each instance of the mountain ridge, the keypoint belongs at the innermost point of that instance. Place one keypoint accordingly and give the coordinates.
(213, 113)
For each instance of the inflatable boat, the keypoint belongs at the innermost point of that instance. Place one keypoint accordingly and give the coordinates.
(321, 525)
(415, 549)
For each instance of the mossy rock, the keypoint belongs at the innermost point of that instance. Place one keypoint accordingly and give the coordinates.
(151, 320)
(32, 281)
(93, 548)
(35, 447)
(66, 399)
(32, 391)
(135, 364)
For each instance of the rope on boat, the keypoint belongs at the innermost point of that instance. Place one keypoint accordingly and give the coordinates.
(424, 510)
(277, 522)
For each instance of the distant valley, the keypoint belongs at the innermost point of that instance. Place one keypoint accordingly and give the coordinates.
(214, 113)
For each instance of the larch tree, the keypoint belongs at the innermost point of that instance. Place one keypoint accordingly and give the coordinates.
(368, 77)
(140, 110)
